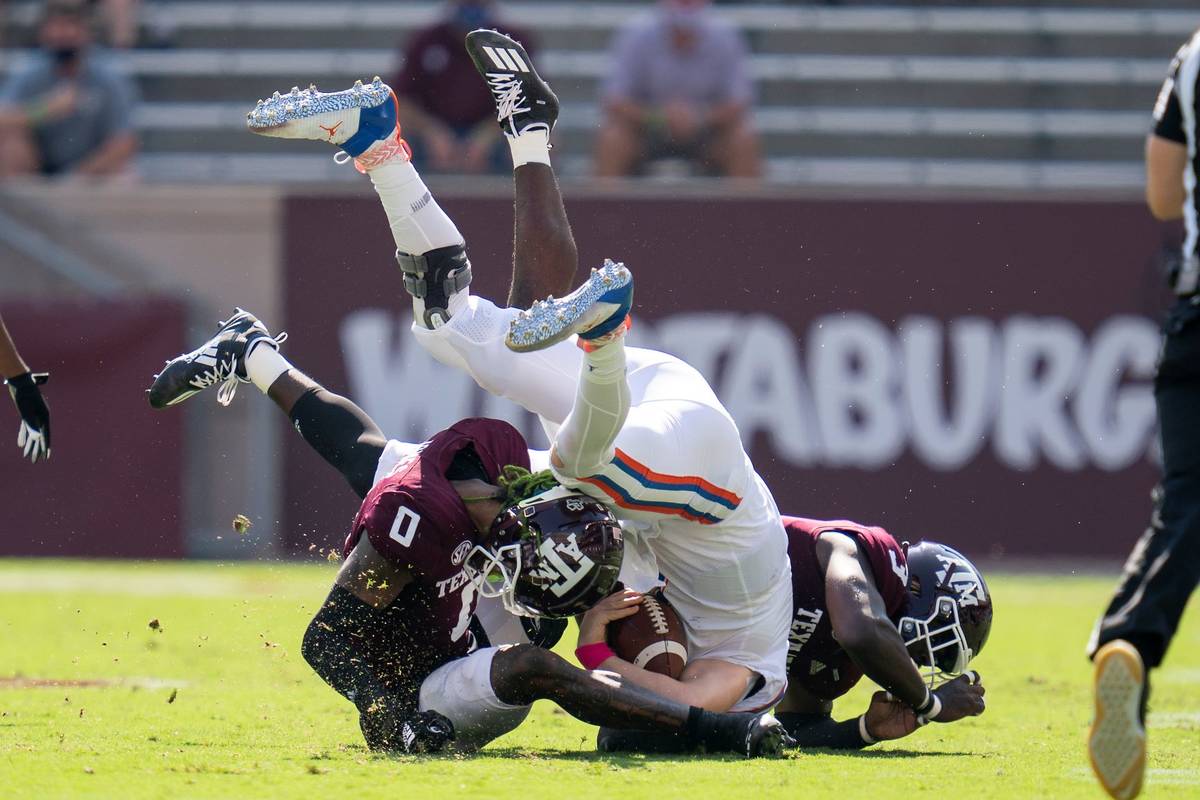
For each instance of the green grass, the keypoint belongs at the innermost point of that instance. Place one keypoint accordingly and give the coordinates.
(250, 720)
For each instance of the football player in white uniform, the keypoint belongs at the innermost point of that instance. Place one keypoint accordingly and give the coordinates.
(640, 430)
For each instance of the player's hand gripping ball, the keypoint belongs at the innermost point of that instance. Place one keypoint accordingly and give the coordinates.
(652, 637)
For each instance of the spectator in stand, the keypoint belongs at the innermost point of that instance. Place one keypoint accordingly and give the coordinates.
(448, 114)
(678, 86)
(68, 110)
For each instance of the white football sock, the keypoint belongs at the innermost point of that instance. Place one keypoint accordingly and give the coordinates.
(531, 147)
(417, 221)
(606, 364)
(264, 365)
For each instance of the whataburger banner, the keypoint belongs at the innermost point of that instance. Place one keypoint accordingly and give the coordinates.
(978, 372)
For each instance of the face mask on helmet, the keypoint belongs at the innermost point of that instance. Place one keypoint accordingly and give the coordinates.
(556, 554)
(949, 614)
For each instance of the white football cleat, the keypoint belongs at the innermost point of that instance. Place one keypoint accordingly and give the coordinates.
(1117, 744)
(362, 120)
(597, 309)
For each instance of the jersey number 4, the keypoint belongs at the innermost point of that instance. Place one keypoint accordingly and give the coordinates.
(408, 520)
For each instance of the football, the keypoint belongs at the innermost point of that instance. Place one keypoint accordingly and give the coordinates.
(653, 638)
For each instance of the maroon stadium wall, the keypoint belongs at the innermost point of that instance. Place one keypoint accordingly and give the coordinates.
(113, 485)
(972, 371)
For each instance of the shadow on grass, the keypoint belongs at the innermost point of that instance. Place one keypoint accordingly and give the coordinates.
(825, 751)
(644, 760)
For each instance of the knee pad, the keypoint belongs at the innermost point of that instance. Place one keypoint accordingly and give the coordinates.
(433, 277)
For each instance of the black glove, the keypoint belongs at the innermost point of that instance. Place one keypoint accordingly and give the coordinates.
(34, 436)
(422, 732)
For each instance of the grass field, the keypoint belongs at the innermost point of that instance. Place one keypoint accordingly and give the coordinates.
(218, 703)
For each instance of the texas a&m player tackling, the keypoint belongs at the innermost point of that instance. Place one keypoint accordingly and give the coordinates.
(638, 430)
(862, 604)
(403, 634)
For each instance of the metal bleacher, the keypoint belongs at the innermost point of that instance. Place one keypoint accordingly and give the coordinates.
(907, 95)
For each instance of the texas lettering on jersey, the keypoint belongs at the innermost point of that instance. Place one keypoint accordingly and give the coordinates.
(816, 661)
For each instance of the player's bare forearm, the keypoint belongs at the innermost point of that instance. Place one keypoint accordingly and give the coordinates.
(544, 254)
(11, 363)
(880, 653)
(705, 683)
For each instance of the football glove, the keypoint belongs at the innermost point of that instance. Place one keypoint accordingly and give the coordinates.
(422, 732)
(34, 435)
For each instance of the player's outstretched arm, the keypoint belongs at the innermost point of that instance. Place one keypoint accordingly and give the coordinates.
(34, 435)
(860, 623)
(706, 683)
(525, 673)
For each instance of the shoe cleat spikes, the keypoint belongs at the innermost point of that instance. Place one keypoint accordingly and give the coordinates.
(295, 91)
(312, 87)
(275, 96)
(358, 85)
(377, 82)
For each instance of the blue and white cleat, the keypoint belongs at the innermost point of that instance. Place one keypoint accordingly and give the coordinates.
(598, 308)
(362, 120)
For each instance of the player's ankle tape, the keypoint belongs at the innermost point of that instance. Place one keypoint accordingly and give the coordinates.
(531, 147)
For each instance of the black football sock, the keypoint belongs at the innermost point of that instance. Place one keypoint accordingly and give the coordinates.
(718, 732)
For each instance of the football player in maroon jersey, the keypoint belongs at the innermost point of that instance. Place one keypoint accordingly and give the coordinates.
(864, 604)
(399, 635)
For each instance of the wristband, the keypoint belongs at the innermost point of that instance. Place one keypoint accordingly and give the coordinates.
(592, 656)
(925, 705)
(863, 732)
(934, 710)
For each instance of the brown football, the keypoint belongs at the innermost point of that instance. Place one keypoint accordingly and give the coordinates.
(653, 638)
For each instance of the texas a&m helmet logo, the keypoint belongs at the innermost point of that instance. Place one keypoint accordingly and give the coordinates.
(958, 574)
(554, 569)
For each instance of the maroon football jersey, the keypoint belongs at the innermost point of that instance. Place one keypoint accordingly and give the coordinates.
(816, 661)
(415, 518)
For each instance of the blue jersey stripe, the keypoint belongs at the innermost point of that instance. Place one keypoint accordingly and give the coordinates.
(672, 487)
(650, 505)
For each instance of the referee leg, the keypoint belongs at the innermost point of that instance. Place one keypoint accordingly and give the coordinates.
(1164, 567)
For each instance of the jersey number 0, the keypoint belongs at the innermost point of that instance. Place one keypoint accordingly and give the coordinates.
(408, 520)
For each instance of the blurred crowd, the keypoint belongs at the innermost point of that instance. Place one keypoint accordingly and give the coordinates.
(676, 98)
(68, 108)
(678, 95)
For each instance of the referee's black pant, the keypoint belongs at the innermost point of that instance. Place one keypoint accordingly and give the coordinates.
(1164, 566)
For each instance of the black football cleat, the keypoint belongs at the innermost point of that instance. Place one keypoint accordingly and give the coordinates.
(524, 102)
(766, 737)
(220, 360)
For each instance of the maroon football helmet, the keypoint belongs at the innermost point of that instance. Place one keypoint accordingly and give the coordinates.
(556, 554)
(949, 611)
